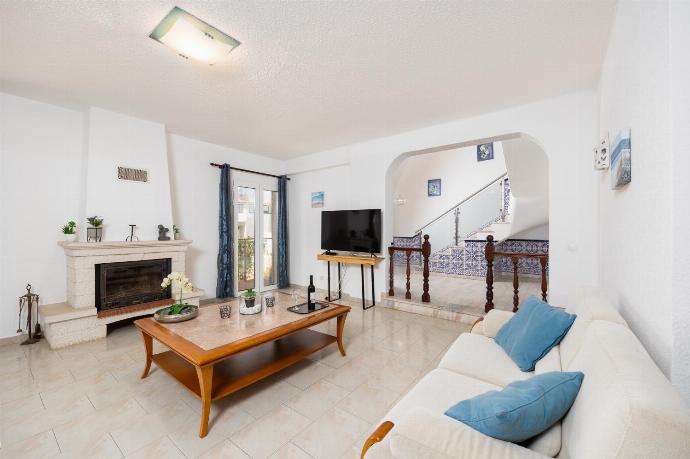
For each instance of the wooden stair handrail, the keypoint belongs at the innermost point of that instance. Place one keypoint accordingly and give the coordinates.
(490, 253)
(425, 250)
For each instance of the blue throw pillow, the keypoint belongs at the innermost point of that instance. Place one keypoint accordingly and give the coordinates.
(522, 409)
(531, 333)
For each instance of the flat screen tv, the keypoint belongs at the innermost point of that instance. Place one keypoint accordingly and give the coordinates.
(351, 230)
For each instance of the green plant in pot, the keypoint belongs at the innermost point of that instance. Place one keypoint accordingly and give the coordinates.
(94, 233)
(69, 230)
(179, 284)
(249, 297)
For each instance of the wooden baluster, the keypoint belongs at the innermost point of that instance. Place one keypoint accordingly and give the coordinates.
(516, 283)
(542, 261)
(391, 260)
(489, 254)
(426, 252)
(408, 295)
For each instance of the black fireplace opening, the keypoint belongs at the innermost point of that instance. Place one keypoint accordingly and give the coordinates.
(131, 282)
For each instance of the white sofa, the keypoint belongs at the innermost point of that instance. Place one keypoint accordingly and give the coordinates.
(626, 408)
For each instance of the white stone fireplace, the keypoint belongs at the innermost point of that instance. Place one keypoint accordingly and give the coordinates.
(78, 319)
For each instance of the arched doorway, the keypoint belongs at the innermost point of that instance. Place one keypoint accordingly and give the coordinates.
(506, 196)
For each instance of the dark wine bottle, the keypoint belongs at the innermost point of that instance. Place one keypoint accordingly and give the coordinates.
(310, 291)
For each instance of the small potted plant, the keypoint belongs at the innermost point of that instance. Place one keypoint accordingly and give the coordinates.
(248, 305)
(69, 230)
(176, 233)
(94, 233)
(178, 311)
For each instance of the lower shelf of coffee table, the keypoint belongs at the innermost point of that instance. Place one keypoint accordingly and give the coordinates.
(241, 370)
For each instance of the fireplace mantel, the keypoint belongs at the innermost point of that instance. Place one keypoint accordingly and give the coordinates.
(88, 249)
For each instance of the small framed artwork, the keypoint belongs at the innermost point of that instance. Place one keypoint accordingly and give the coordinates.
(485, 152)
(621, 173)
(434, 187)
(317, 198)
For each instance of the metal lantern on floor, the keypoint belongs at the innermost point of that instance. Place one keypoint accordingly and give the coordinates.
(28, 300)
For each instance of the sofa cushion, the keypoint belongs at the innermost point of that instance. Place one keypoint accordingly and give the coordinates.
(436, 391)
(425, 434)
(531, 333)
(549, 441)
(591, 304)
(626, 407)
(494, 320)
(480, 357)
(523, 409)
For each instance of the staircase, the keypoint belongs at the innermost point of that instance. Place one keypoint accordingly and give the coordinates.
(458, 236)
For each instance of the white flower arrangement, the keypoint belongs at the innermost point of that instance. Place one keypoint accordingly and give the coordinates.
(179, 283)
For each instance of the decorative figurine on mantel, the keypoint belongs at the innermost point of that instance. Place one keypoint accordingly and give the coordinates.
(131, 237)
(163, 233)
(28, 300)
(94, 233)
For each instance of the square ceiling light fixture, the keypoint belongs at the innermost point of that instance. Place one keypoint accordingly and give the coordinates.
(192, 38)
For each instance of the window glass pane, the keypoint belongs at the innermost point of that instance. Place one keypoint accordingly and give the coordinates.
(245, 208)
(270, 240)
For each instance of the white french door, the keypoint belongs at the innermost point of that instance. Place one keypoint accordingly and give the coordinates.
(256, 221)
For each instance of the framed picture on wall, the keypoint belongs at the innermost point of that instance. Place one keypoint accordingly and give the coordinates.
(485, 152)
(621, 170)
(434, 187)
(317, 198)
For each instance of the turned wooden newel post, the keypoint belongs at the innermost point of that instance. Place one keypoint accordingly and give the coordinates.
(391, 261)
(426, 252)
(516, 283)
(489, 254)
(542, 261)
(408, 294)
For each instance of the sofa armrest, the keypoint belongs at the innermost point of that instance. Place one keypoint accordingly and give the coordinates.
(478, 327)
(494, 320)
(424, 434)
(378, 435)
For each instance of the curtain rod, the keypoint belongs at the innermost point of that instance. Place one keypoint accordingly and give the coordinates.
(247, 170)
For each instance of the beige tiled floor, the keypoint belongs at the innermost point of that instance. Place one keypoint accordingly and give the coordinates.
(88, 401)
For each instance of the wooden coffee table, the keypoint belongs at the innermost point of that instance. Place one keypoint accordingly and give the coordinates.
(214, 357)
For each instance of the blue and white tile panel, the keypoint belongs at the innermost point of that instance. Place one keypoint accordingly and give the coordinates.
(411, 241)
(470, 260)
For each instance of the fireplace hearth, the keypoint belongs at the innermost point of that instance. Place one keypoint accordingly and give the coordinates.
(130, 283)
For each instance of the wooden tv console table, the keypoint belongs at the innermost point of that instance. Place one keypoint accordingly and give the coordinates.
(351, 260)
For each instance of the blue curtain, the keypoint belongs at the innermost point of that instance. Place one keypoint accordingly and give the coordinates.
(283, 270)
(226, 275)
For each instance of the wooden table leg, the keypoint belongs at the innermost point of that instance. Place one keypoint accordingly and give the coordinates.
(205, 375)
(148, 347)
(339, 335)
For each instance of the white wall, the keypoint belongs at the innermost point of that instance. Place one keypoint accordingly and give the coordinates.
(304, 230)
(194, 186)
(566, 128)
(460, 173)
(41, 152)
(644, 226)
(635, 257)
(528, 169)
(680, 146)
(119, 140)
(58, 164)
(539, 233)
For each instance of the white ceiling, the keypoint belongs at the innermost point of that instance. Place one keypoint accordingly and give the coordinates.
(309, 75)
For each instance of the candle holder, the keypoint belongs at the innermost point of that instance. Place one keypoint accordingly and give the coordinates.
(270, 301)
(225, 310)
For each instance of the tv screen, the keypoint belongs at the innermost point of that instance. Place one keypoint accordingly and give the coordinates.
(351, 230)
